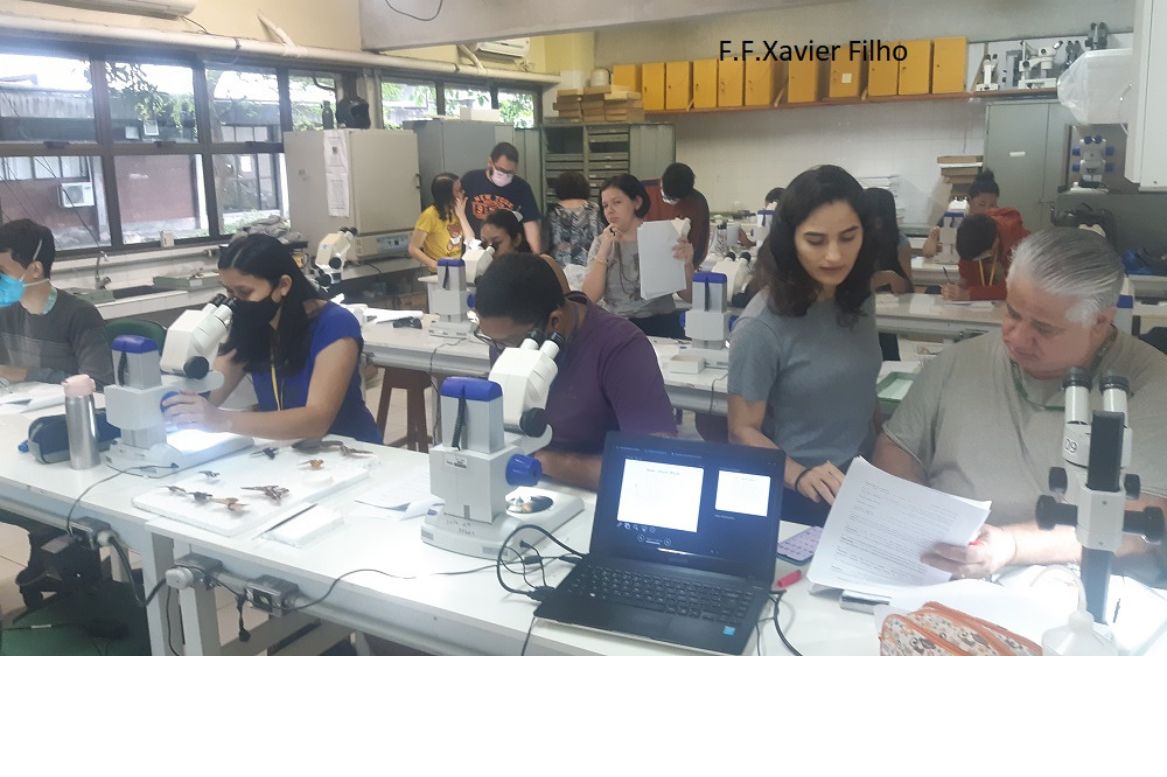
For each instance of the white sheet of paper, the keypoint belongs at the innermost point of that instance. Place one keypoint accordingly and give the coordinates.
(382, 315)
(22, 397)
(661, 273)
(336, 173)
(408, 494)
(879, 528)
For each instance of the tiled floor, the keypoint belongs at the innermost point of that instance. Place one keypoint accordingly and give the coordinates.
(14, 541)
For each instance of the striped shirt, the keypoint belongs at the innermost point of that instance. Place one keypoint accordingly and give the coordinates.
(68, 340)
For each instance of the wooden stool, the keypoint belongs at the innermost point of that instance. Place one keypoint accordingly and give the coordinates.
(414, 382)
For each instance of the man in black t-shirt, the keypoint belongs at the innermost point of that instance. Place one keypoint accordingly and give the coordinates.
(499, 188)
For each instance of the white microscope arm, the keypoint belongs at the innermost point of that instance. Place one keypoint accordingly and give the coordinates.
(525, 375)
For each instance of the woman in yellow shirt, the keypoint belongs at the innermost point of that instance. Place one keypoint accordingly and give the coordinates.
(441, 228)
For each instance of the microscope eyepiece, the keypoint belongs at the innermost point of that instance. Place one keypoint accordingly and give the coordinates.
(1114, 381)
(1076, 377)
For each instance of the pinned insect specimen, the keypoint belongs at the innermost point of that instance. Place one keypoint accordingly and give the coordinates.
(274, 493)
(233, 504)
(209, 474)
(315, 464)
(269, 452)
(312, 445)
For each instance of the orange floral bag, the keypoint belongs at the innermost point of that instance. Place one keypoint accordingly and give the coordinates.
(936, 630)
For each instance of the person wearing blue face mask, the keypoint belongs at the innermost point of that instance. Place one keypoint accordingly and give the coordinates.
(499, 187)
(301, 351)
(46, 334)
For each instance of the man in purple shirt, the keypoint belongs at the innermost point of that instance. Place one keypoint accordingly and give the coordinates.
(608, 377)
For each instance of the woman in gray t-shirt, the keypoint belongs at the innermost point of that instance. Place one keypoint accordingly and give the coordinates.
(613, 276)
(804, 357)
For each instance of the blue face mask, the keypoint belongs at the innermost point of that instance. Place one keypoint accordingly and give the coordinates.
(11, 290)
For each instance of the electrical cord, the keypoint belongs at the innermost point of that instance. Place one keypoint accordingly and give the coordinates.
(91, 486)
(527, 639)
(538, 593)
(777, 599)
(393, 8)
(713, 391)
(169, 630)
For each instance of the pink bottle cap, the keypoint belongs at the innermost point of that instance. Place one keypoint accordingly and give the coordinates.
(79, 386)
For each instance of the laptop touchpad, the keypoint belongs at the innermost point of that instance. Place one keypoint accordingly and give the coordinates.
(643, 622)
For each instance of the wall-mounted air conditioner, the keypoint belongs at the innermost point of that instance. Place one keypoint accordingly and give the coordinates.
(76, 195)
(514, 48)
(167, 8)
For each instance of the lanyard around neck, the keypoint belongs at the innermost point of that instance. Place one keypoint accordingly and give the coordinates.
(1095, 363)
(277, 389)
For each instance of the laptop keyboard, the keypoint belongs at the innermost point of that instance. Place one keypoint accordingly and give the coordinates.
(662, 594)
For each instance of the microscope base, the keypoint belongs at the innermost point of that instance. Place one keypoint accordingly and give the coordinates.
(454, 329)
(182, 450)
(692, 361)
(482, 540)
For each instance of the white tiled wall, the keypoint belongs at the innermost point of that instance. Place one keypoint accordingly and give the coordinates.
(738, 157)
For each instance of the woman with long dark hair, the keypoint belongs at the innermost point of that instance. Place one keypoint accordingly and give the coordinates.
(441, 229)
(301, 351)
(804, 357)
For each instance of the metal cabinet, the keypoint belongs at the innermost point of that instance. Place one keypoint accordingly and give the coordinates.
(377, 193)
(601, 151)
(456, 146)
(1026, 144)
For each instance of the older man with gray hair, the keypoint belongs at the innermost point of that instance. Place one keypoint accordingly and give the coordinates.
(984, 419)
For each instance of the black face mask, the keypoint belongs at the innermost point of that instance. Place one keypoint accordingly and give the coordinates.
(259, 313)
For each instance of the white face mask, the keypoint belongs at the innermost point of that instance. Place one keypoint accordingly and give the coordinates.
(499, 178)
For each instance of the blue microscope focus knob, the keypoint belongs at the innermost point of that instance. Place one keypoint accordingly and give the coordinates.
(524, 470)
(166, 396)
(470, 300)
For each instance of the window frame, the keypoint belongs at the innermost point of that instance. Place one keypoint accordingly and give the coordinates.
(106, 151)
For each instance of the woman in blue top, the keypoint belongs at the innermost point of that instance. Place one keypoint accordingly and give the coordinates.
(301, 351)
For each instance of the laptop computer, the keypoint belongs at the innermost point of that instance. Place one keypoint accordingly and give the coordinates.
(682, 546)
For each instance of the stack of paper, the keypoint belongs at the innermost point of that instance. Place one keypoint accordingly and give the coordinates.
(881, 526)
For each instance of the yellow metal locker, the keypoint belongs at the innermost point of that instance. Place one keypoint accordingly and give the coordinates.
(949, 57)
(846, 77)
(705, 83)
(652, 85)
(883, 76)
(762, 79)
(730, 80)
(802, 84)
(916, 69)
(678, 85)
(626, 77)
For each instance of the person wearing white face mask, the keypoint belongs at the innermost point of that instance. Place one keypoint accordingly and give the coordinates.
(498, 187)
(46, 334)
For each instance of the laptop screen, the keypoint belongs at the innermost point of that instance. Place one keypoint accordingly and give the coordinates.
(684, 503)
